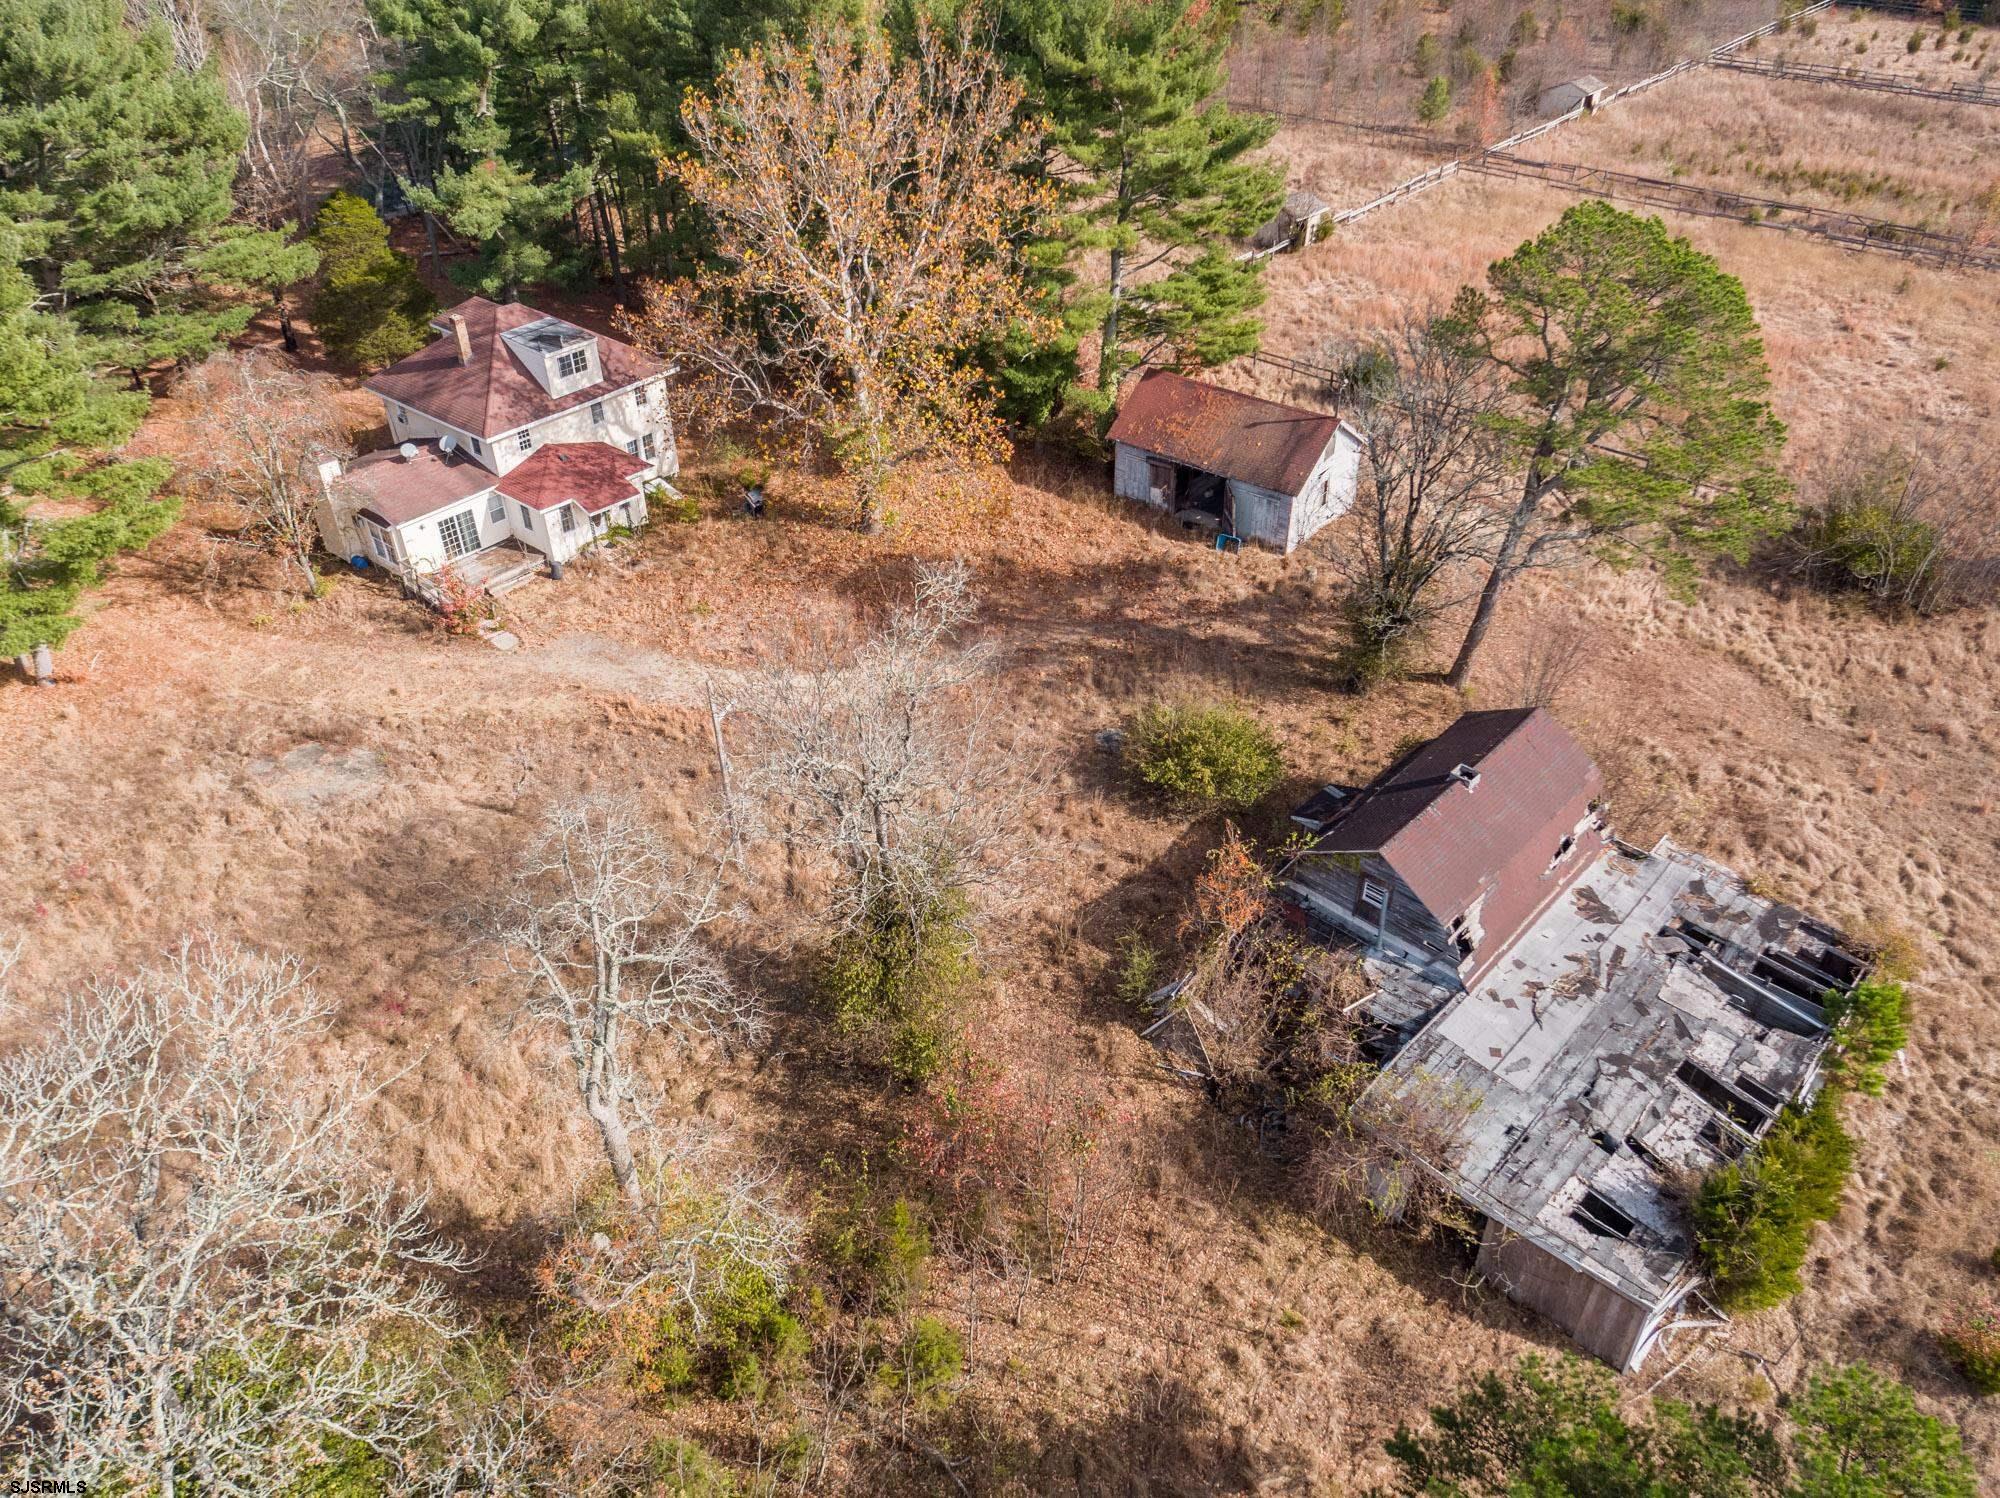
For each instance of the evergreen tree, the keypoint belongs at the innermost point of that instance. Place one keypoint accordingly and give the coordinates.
(1860, 1435)
(1153, 167)
(1436, 102)
(1640, 415)
(119, 169)
(372, 307)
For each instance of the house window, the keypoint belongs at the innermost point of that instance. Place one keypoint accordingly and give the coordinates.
(460, 534)
(477, 449)
(597, 413)
(497, 511)
(527, 440)
(647, 444)
(632, 447)
(527, 518)
(569, 519)
(575, 362)
(379, 542)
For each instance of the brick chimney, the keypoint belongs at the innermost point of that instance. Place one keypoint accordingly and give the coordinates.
(464, 340)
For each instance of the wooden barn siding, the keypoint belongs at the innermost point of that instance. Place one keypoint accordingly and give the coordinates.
(1130, 477)
(1332, 879)
(1338, 470)
(1262, 515)
(1603, 1322)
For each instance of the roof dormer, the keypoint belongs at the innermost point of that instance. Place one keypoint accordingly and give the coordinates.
(561, 356)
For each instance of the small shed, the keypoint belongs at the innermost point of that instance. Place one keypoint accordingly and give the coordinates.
(1587, 91)
(1233, 463)
(1297, 224)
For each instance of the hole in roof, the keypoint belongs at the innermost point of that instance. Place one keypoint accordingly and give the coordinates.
(1602, 1218)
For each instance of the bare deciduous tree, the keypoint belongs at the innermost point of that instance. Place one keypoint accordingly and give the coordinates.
(260, 431)
(610, 927)
(863, 207)
(297, 70)
(888, 760)
(197, 1261)
(1434, 470)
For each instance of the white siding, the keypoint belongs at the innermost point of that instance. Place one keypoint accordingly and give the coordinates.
(1329, 488)
(628, 414)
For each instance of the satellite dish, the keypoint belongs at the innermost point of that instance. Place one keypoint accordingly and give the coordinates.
(447, 443)
(408, 450)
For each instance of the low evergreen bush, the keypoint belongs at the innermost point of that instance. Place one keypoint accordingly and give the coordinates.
(895, 985)
(1754, 1217)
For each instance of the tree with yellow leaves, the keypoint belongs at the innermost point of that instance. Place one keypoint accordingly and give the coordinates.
(867, 216)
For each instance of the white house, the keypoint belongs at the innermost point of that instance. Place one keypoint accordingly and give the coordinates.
(1245, 467)
(520, 440)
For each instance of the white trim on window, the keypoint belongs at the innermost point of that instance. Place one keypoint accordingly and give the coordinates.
(568, 517)
(527, 517)
(572, 362)
(597, 413)
(497, 510)
(526, 440)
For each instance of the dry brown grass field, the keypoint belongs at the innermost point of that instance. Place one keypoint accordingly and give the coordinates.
(342, 781)
(1880, 43)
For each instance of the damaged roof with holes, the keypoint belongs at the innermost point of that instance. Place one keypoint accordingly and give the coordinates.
(494, 392)
(1257, 442)
(1649, 1021)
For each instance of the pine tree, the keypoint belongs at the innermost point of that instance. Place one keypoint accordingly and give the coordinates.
(1157, 182)
(1639, 418)
(119, 169)
(372, 307)
(1436, 102)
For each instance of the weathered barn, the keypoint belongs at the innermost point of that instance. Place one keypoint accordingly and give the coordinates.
(1587, 91)
(1588, 1021)
(1244, 467)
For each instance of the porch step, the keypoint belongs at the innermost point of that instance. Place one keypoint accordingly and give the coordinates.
(512, 578)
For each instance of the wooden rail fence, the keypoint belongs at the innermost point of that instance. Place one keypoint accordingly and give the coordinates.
(1881, 83)
(1841, 227)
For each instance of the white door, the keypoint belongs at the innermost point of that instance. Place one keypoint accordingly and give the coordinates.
(460, 534)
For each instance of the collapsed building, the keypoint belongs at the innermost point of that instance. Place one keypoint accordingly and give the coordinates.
(1588, 1023)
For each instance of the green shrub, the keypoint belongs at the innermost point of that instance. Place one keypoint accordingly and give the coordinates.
(372, 307)
(1870, 1025)
(1138, 969)
(895, 985)
(1753, 1218)
(1971, 1338)
(876, 1253)
(1915, 43)
(1426, 55)
(925, 1364)
(664, 503)
(1629, 19)
(685, 1470)
(1202, 758)
(1526, 30)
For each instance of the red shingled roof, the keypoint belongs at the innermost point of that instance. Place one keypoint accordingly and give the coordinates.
(396, 490)
(1240, 437)
(495, 393)
(595, 475)
(1450, 842)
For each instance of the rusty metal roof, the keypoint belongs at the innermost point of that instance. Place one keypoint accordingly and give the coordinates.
(1219, 431)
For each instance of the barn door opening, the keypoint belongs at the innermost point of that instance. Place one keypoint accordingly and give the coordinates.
(1160, 484)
